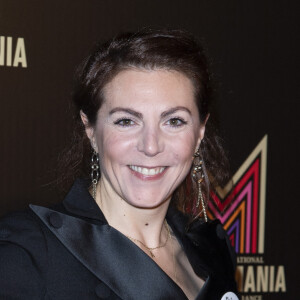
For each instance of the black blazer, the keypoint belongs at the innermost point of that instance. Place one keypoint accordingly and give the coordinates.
(70, 252)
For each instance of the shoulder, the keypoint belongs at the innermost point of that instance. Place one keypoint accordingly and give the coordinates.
(23, 254)
(21, 228)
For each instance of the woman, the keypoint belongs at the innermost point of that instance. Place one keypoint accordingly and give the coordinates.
(139, 230)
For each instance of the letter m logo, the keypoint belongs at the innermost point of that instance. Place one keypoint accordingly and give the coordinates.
(240, 205)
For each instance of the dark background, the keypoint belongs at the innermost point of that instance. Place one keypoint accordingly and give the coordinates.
(254, 48)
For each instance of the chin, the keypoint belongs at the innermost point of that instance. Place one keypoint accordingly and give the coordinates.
(148, 204)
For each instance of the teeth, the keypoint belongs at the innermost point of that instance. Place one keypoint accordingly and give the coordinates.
(146, 171)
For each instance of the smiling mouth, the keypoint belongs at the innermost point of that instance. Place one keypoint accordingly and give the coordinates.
(147, 171)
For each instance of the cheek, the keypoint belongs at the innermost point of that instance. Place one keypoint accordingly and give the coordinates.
(183, 150)
(114, 146)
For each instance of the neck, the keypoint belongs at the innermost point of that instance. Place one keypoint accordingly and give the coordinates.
(143, 224)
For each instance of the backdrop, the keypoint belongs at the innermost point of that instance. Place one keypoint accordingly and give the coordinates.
(253, 46)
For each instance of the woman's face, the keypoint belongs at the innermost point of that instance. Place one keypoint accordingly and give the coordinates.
(146, 133)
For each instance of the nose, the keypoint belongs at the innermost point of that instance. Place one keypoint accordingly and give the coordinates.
(151, 141)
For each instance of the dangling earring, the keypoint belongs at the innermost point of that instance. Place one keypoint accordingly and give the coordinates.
(95, 174)
(198, 172)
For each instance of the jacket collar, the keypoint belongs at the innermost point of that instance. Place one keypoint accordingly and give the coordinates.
(111, 257)
(114, 259)
(107, 253)
(79, 202)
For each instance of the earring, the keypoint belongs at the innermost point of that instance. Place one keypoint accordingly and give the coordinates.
(198, 176)
(95, 174)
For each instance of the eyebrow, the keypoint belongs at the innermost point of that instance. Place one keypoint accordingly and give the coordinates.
(140, 115)
(127, 110)
(173, 110)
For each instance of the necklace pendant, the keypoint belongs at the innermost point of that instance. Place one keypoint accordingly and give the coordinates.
(151, 253)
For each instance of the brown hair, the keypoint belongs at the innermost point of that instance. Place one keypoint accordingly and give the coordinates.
(148, 49)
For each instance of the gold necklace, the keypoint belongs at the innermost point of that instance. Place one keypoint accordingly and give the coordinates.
(150, 249)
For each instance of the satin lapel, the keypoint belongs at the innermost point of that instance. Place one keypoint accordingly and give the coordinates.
(203, 248)
(196, 257)
(113, 258)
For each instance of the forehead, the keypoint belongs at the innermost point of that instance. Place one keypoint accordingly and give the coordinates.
(153, 87)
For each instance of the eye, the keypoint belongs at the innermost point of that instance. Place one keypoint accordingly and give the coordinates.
(124, 122)
(176, 122)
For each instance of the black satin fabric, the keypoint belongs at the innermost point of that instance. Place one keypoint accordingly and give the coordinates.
(72, 253)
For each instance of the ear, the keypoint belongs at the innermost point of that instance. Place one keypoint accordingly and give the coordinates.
(202, 132)
(89, 130)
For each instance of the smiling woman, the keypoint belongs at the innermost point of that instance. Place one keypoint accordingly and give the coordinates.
(138, 229)
(151, 118)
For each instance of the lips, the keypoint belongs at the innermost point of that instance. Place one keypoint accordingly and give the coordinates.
(147, 171)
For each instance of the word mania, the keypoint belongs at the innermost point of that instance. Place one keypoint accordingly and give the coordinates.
(12, 52)
(260, 278)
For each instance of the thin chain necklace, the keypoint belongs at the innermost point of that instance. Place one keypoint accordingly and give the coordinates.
(150, 249)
